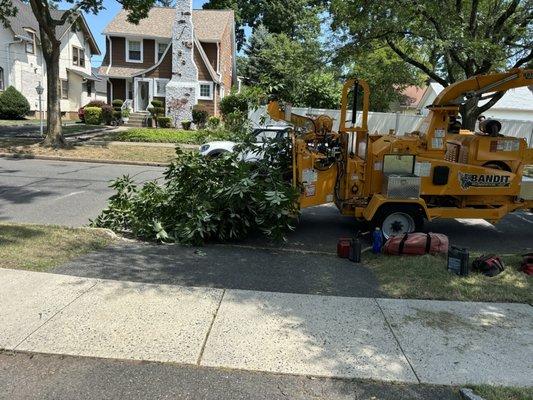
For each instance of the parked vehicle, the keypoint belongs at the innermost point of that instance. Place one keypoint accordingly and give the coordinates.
(262, 135)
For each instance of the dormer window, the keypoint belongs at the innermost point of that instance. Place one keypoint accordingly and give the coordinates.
(30, 45)
(134, 51)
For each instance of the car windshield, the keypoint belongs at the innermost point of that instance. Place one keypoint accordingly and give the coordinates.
(262, 135)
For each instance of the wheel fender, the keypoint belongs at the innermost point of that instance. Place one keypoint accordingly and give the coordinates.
(377, 201)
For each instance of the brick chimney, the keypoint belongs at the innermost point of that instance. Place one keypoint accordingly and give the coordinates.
(181, 90)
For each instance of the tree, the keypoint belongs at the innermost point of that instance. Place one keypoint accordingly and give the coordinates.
(321, 89)
(45, 11)
(298, 19)
(448, 40)
(280, 65)
(386, 73)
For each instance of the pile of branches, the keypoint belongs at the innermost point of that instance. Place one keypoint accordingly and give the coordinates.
(202, 199)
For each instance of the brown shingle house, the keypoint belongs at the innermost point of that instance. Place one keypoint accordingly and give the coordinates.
(138, 59)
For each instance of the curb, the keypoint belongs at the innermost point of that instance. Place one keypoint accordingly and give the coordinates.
(468, 394)
(85, 160)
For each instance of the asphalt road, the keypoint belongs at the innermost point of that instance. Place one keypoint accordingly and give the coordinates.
(69, 193)
(62, 193)
(51, 377)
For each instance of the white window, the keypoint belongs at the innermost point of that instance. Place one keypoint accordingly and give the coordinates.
(1, 78)
(64, 88)
(160, 50)
(160, 87)
(134, 51)
(205, 91)
(78, 57)
(30, 46)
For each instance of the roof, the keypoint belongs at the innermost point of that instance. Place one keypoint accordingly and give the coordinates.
(84, 75)
(413, 95)
(25, 19)
(520, 98)
(119, 72)
(209, 25)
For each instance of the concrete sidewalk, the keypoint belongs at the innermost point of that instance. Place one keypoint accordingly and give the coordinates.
(382, 339)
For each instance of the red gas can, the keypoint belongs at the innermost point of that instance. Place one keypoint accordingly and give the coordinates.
(343, 247)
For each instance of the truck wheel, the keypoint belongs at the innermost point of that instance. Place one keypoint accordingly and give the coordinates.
(394, 221)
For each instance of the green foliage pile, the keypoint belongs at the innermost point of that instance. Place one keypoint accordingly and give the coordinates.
(13, 104)
(206, 199)
(93, 115)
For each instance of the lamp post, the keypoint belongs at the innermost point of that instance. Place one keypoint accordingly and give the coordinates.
(40, 91)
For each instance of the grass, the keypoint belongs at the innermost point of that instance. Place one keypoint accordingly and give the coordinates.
(40, 247)
(426, 277)
(156, 135)
(18, 122)
(109, 152)
(503, 393)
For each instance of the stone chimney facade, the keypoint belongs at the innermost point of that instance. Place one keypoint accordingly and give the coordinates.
(181, 90)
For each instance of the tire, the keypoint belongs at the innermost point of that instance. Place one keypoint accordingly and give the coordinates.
(398, 220)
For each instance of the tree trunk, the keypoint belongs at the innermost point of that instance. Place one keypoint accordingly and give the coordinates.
(469, 113)
(54, 134)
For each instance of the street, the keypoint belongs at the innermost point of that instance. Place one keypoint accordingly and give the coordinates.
(71, 193)
(62, 193)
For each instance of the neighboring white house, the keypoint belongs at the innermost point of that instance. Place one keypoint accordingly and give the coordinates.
(516, 104)
(22, 64)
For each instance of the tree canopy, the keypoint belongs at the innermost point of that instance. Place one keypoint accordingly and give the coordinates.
(448, 40)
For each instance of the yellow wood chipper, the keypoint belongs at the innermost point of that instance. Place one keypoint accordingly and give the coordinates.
(396, 182)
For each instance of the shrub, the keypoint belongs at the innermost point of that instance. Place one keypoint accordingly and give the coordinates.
(199, 117)
(164, 122)
(213, 123)
(186, 124)
(93, 115)
(156, 110)
(207, 199)
(107, 113)
(13, 104)
(117, 114)
(117, 103)
(233, 103)
(125, 113)
(96, 103)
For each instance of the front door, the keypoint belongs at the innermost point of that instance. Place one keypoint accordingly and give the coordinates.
(143, 95)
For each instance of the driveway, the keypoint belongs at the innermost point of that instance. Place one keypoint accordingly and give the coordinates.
(70, 193)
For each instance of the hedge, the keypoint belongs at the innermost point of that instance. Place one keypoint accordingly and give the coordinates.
(93, 115)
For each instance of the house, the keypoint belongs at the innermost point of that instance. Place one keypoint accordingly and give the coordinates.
(411, 96)
(194, 49)
(100, 86)
(23, 67)
(516, 104)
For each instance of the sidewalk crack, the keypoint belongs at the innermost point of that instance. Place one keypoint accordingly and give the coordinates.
(397, 341)
(56, 313)
(204, 344)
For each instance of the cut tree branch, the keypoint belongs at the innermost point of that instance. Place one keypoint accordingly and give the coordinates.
(416, 63)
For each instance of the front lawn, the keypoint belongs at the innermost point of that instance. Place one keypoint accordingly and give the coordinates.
(156, 135)
(109, 152)
(426, 277)
(40, 247)
(503, 393)
(18, 122)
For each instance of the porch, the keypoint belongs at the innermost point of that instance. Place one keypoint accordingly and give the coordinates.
(140, 90)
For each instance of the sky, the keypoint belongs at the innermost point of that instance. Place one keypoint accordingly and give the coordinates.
(97, 23)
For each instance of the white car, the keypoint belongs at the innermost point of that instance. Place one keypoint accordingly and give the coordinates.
(216, 148)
